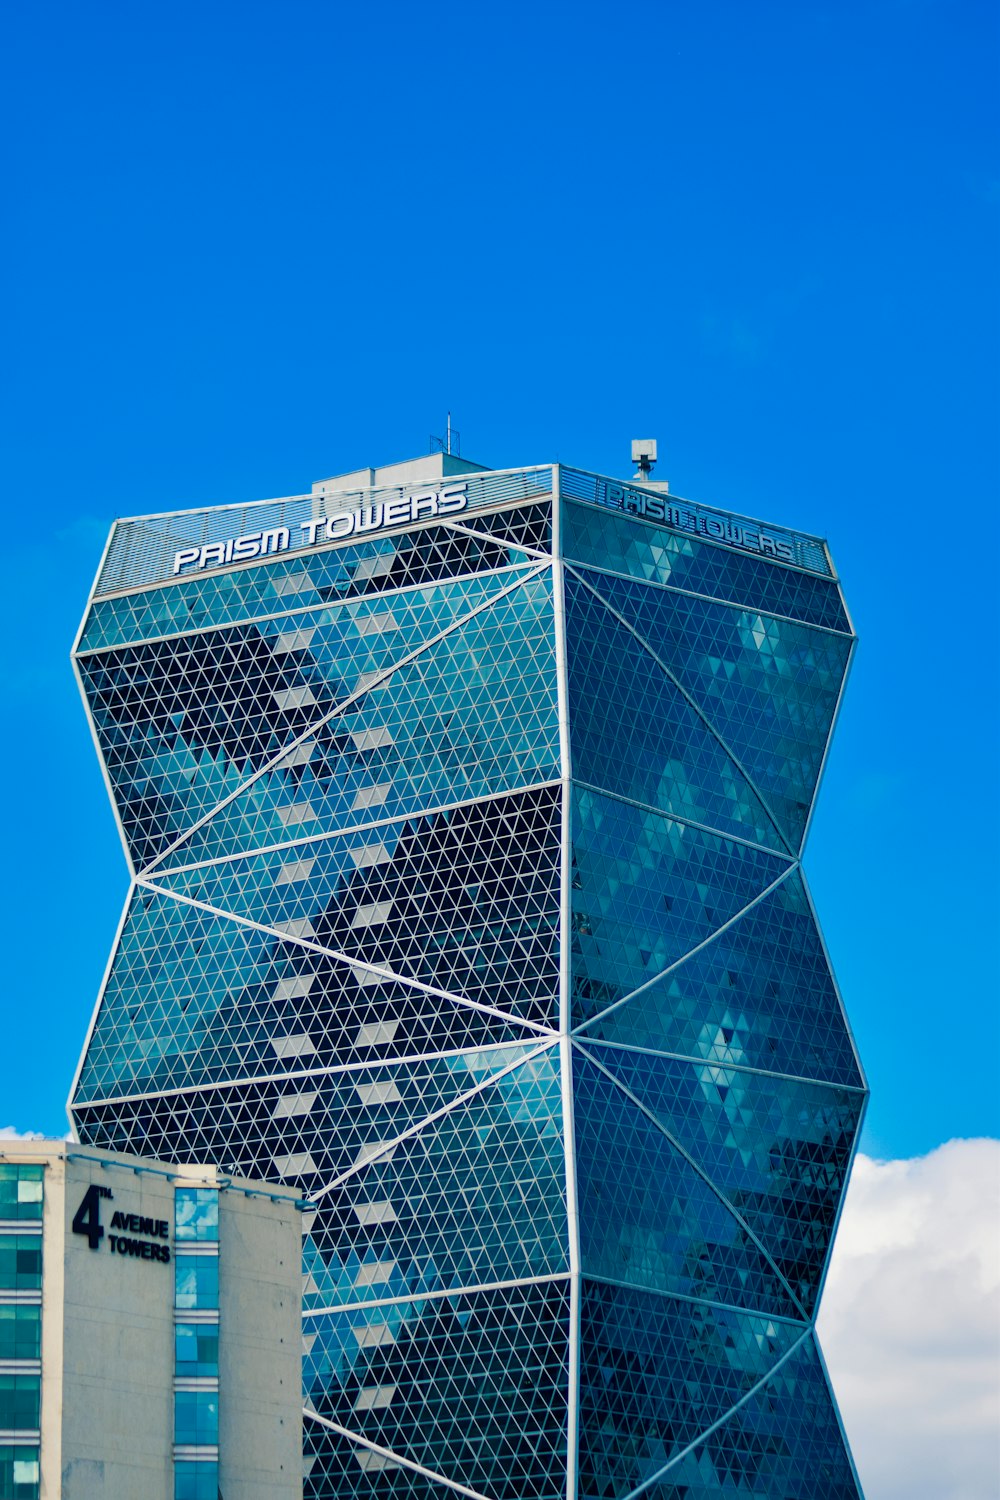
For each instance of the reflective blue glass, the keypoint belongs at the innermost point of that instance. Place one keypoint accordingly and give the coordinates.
(20, 1262)
(474, 714)
(196, 1481)
(399, 906)
(476, 1197)
(196, 1281)
(19, 1472)
(21, 1189)
(655, 555)
(634, 732)
(769, 687)
(20, 1331)
(779, 1152)
(650, 1218)
(656, 1371)
(196, 1350)
(196, 1417)
(473, 1387)
(20, 1402)
(196, 1213)
(784, 1442)
(760, 993)
(647, 890)
(183, 723)
(329, 1117)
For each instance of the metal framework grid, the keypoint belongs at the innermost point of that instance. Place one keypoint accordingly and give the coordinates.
(467, 899)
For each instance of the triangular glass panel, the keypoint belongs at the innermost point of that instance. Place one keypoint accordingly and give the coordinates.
(194, 998)
(473, 1387)
(760, 994)
(304, 1128)
(784, 1442)
(380, 565)
(655, 1372)
(182, 723)
(779, 1149)
(633, 732)
(649, 1219)
(466, 901)
(335, 1467)
(473, 715)
(770, 687)
(472, 1197)
(610, 540)
(646, 890)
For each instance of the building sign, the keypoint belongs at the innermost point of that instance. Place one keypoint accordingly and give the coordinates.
(144, 1238)
(378, 516)
(702, 523)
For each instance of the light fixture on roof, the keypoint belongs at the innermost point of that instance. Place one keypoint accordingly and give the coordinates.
(644, 455)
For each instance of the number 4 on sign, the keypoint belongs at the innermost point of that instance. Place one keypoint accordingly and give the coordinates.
(87, 1219)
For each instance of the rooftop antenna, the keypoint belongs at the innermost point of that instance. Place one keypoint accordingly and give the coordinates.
(451, 443)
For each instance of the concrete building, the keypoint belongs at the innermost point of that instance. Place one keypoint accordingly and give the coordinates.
(465, 810)
(149, 1330)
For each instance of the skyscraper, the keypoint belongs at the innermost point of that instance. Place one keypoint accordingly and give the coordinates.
(465, 810)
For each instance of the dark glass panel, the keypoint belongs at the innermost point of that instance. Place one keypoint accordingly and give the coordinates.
(633, 731)
(648, 1218)
(472, 1387)
(650, 553)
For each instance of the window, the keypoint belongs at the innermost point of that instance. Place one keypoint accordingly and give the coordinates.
(20, 1332)
(196, 1417)
(196, 1350)
(197, 1281)
(20, 1261)
(21, 1190)
(196, 1214)
(19, 1402)
(19, 1473)
(194, 1481)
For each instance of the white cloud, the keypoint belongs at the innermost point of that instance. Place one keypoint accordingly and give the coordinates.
(910, 1323)
(8, 1133)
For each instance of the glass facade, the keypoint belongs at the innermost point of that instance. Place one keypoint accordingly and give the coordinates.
(196, 1343)
(468, 901)
(22, 1190)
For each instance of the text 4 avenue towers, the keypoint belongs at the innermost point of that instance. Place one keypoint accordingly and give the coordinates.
(468, 902)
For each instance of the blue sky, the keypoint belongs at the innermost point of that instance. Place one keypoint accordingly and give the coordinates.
(248, 246)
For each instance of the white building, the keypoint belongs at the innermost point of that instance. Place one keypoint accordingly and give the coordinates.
(149, 1330)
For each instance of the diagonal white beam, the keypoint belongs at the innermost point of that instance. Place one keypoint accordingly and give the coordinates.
(431, 1119)
(355, 963)
(693, 703)
(691, 953)
(353, 828)
(498, 541)
(295, 611)
(396, 1458)
(674, 817)
(722, 1197)
(722, 1067)
(696, 1442)
(406, 1299)
(304, 1075)
(275, 762)
(673, 588)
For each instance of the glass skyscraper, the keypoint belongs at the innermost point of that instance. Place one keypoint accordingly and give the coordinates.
(465, 811)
